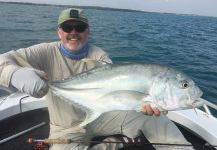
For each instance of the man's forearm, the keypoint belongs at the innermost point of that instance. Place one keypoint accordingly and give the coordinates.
(8, 66)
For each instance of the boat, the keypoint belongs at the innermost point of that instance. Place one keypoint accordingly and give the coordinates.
(23, 117)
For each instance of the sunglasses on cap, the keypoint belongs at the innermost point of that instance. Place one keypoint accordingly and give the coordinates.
(80, 27)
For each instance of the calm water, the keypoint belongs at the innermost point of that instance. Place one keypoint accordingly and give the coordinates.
(188, 43)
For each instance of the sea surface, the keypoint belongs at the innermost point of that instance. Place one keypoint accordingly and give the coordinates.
(186, 42)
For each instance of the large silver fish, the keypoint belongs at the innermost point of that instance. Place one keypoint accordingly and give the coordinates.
(127, 87)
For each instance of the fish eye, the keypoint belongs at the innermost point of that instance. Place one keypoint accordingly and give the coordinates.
(184, 84)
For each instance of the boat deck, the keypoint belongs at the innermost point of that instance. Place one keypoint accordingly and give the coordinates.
(23, 121)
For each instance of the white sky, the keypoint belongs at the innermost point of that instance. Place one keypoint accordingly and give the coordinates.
(197, 7)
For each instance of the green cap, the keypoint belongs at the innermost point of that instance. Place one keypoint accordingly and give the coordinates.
(72, 14)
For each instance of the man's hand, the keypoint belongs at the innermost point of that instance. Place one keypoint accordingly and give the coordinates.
(30, 81)
(148, 110)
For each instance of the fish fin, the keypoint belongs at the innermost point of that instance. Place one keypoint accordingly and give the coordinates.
(150, 100)
(90, 117)
(123, 99)
(147, 99)
(91, 114)
(80, 89)
(55, 86)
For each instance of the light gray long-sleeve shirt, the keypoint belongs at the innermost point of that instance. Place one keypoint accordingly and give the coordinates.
(47, 57)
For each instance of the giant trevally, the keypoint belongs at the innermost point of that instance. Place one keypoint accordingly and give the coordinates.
(126, 87)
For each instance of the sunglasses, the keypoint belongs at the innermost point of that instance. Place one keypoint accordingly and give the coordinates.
(81, 27)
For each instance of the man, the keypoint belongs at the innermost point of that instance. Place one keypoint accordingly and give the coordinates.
(59, 60)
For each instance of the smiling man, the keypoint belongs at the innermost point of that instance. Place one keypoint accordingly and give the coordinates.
(62, 59)
(73, 31)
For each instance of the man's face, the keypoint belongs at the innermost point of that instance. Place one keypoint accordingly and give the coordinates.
(73, 34)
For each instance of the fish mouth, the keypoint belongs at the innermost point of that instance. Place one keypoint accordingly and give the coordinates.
(196, 103)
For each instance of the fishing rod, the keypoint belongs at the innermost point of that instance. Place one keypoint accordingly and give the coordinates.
(68, 141)
(21, 133)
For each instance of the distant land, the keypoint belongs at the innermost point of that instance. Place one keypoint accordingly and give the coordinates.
(95, 7)
(88, 7)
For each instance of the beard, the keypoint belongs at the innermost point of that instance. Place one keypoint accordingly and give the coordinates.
(74, 48)
(75, 42)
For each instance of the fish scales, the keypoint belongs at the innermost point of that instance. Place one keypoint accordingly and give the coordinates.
(127, 87)
(108, 73)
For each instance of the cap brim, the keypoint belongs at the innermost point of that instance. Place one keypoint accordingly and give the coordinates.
(72, 20)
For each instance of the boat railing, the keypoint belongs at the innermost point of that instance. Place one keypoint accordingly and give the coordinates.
(208, 104)
(4, 93)
(5, 89)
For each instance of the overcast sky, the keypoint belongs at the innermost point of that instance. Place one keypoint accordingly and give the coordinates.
(197, 7)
